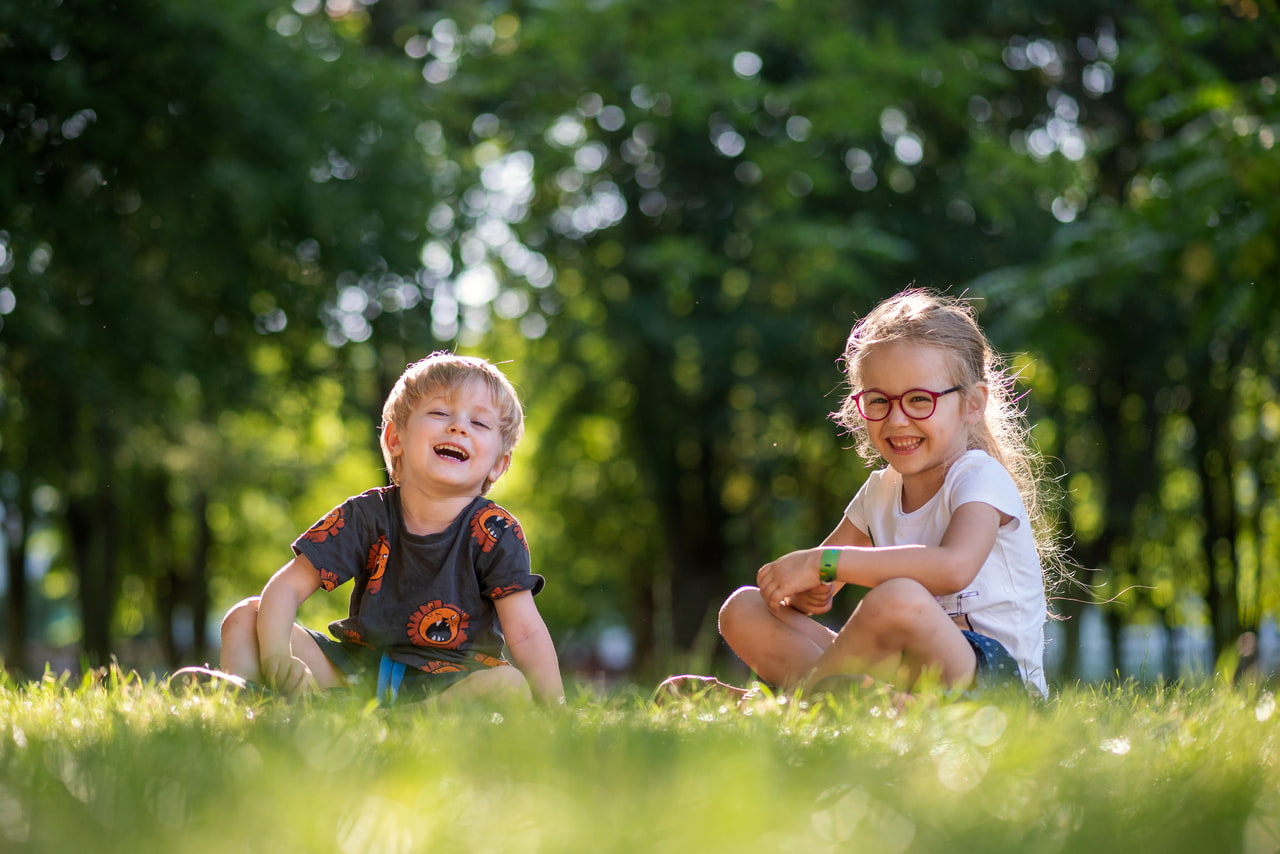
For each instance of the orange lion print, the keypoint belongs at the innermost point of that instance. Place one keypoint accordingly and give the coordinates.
(376, 566)
(499, 592)
(327, 527)
(328, 579)
(490, 523)
(439, 625)
(354, 637)
(441, 667)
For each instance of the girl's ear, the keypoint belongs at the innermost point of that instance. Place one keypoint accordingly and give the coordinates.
(975, 403)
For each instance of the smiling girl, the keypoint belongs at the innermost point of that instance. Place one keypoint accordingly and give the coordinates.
(946, 537)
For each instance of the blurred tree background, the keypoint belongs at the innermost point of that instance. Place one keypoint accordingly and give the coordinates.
(224, 232)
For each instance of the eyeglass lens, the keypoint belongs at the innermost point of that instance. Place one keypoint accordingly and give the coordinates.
(917, 403)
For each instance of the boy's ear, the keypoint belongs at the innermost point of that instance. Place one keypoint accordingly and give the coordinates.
(499, 468)
(391, 436)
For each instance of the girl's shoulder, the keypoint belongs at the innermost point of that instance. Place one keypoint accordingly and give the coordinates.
(884, 478)
(979, 476)
(979, 462)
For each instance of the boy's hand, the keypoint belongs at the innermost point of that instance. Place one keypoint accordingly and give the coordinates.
(287, 673)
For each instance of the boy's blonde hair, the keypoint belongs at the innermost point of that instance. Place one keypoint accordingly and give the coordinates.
(929, 319)
(443, 373)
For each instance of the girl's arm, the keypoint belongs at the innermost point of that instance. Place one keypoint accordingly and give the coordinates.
(817, 599)
(287, 589)
(945, 568)
(529, 642)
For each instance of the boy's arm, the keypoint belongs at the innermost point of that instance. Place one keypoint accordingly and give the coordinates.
(529, 642)
(287, 589)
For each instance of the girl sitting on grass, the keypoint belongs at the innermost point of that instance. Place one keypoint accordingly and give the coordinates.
(948, 536)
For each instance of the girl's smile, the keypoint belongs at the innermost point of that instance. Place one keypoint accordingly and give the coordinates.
(920, 449)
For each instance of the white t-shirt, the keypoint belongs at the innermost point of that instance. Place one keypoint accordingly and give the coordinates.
(1005, 600)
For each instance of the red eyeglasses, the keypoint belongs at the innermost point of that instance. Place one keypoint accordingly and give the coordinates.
(916, 403)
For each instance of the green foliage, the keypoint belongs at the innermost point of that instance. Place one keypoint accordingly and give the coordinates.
(131, 766)
(191, 198)
(223, 232)
(1155, 302)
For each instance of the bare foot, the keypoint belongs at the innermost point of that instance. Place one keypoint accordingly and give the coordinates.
(689, 687)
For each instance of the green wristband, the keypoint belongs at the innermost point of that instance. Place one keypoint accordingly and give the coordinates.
(827, 566)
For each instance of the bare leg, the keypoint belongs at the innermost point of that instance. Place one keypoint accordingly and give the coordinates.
(897, 631)
(782, 647)
(500, 684)
(240, 640)
(241, 656)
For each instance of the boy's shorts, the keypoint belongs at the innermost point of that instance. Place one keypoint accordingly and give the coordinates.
(360, 665)
(996, 666)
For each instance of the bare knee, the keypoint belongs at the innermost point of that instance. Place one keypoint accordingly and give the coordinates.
(239, 653)
(896, 605)
(242, 617)
(510, 682)
(742, 606)
(500, 684)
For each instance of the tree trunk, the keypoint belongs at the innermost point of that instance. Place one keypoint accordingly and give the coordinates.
(91, 528)
(1213, 450)
(198, 578)
(17, 526)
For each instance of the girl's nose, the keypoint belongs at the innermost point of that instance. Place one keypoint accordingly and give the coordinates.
(897, 415)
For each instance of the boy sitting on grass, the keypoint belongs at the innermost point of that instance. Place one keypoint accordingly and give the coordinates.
(441, 575)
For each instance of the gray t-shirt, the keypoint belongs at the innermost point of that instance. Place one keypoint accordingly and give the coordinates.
(426, 601)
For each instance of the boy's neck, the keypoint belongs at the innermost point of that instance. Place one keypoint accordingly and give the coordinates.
(425, 513)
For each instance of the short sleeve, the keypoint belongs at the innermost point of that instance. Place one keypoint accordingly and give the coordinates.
(335, 545)
(856, 512)
(503, 564)
(981, 478)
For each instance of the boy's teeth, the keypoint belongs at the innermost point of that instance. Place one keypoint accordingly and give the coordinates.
(452, 452)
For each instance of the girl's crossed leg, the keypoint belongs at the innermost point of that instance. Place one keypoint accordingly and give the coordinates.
(896, 632)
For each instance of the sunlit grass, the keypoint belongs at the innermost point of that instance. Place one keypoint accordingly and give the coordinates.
(128, 765)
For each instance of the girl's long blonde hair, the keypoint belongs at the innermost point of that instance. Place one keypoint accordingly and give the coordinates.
(929, 319)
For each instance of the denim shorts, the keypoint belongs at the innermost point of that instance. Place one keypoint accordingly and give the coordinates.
(996, 666)
(361, 665)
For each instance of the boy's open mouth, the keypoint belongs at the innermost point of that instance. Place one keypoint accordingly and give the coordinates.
(452, 452)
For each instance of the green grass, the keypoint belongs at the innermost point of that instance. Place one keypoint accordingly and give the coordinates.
(127, 765)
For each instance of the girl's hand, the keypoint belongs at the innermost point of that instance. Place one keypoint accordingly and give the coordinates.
(788, 576)
(815, 600)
